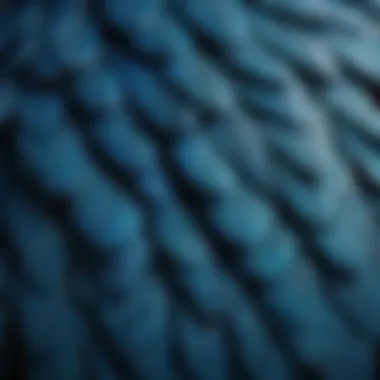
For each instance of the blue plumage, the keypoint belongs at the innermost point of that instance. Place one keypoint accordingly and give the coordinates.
(189, 190)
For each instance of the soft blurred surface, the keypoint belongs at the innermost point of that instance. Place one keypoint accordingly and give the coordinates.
(189, 189)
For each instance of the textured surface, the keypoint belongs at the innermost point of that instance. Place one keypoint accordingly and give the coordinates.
(189, 189)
